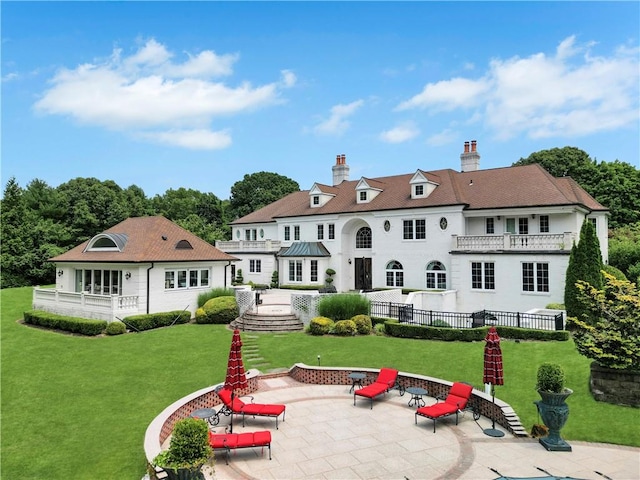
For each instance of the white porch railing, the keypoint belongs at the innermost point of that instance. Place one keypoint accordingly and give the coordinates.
(510, 241)
(85, 305)
(249, 245)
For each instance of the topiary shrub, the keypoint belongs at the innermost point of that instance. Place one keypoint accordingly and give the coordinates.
(320, 326)
(363, 324)
(343, 305)
(219, 310)
(275, 279)
(115, 328)
(345, 328)
(550, 378)
(189, 449)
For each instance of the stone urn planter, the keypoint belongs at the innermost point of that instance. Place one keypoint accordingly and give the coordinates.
(553, 407)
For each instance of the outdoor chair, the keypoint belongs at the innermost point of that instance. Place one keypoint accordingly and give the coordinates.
(239, 407)
(455, 402)
(386, 380)
(231, 441)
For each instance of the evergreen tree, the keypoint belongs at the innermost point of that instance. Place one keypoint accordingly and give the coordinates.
(585, 264)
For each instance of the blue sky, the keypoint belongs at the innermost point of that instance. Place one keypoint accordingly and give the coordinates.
(197, 94)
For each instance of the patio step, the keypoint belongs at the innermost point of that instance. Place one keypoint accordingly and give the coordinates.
(268, 322)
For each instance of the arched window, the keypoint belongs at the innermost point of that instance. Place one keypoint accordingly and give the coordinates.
(363, 238)
(395, 274)
(436, 276)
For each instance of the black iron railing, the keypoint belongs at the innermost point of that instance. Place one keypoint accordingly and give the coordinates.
(435, 318)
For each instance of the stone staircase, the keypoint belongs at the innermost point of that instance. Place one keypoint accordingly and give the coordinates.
(266, 319)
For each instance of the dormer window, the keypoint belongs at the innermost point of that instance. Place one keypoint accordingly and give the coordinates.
(184, 245)
(367, 190)
(421, 185)
(319, 195)
(107, 242)
(363, 196)
(419, 190)
(316, 200)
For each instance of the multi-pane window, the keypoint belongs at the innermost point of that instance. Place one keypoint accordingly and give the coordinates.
(594, 222)
(316, 200)
(414, 229)
(250, 234)
(395, 274)
(436, 276)
(363, 238)
(255, 266)
(295, 270)
(314, 270)
(332, 231)
(99, 282)
(419, 190)
(489, 226)
(483, 275)
(535, 277)
(363, 196)
(544, 223)
(287, 233)
(296, 232)
(186, 278)
(523, 225)
(320, 232)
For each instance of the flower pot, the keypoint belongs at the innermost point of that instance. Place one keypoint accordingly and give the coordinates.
(554, 412)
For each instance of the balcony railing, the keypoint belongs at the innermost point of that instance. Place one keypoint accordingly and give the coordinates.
(249, 245)
(513, 242)
(85, 305)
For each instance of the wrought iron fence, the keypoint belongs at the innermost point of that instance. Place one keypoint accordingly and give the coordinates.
(405, 313)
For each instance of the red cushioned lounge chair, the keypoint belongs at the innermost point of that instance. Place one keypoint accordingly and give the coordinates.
(456, 401)
(387, 379)
(231, 441)
(239, 407)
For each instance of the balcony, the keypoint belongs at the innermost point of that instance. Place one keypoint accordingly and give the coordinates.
(85, 305)
(248, 246)
(509, 242)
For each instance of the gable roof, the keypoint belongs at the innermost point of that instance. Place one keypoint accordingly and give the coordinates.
(508, 187)
(148, 239)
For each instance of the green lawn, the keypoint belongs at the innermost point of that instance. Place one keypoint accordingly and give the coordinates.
(77, 408)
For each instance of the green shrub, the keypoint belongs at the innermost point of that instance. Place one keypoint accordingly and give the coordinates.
(274, 279)
(220, 310)
(239, 277)
(555, 306)
(363, 324)
(438, 322)
(343, 305)
(149, 321)
(550, 378)
(345, 328)
(215, 293)
(115, 328)
(299, 287)
(320, 326)
(380, 329)
(615, 272)
(189, 447)
(82, 326)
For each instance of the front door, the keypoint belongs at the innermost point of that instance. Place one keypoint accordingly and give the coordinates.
(363, 273)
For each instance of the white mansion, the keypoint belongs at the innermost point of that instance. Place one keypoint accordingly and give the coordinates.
(498, 239)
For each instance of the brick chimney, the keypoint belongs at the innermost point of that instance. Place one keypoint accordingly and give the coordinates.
(470, 160)
(340, 170)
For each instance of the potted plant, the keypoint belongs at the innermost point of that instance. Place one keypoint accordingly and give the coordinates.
(553, 408)
(188, 451)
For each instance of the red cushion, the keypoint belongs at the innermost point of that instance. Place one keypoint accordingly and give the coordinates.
(245, 440)
(387, 376)
(262, 438)
(269, 409)
(437, 410)
(225, 396)
(372, 390)
(223, 440)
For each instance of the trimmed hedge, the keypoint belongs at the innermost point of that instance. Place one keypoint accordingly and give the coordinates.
(82, 326)
(115, 328)
(321, 326)
(149, 321)
(346, 328)
(363, 324)
(219, 310)
(448, 334)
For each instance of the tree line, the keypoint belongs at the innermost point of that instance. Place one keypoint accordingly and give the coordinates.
(39, 221)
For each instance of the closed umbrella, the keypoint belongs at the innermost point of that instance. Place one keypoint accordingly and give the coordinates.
(236, 378)
(493, 371)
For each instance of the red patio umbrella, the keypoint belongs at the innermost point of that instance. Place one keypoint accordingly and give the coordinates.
(493, 371)
(236, 378)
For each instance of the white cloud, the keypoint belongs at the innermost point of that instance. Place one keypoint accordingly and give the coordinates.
(289, 78)
(337, 124)
(400, 133)
(191, 139)
(570, 93)
(149, 91)
(445, 137)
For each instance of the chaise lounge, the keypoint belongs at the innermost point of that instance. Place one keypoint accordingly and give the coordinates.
(386, 380)
(238, 406)
(456, 401)
(231, 441)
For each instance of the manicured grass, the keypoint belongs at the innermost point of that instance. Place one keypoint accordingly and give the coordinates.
(77, 408)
